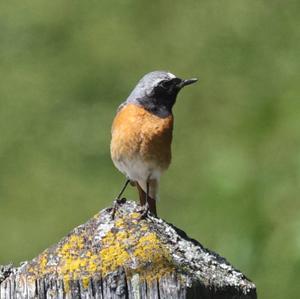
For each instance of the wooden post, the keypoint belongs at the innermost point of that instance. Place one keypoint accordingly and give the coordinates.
(125, 257)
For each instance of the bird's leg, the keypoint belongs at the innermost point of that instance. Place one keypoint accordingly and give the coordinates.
(142, 195)
(123, 189)
(145, 208)
(144, 200)
(147, 191)
(119, 200)
(152, 205)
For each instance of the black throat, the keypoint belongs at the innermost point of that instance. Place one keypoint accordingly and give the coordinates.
(160, 107)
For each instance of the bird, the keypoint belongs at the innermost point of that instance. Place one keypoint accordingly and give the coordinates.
(141, 134)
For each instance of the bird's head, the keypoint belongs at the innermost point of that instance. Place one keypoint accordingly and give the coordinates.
(157, 92)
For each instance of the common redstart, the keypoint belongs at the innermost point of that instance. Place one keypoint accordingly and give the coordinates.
(142, 134)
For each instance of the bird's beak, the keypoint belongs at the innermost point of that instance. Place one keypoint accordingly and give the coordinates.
(187, 82)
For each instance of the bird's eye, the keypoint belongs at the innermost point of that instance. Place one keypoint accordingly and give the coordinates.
(165, 84)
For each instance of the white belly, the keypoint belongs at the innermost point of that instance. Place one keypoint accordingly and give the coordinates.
(138, 170)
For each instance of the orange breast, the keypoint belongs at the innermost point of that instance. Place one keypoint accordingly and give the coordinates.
(138, 133)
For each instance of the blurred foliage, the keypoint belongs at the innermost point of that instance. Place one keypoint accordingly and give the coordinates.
(234, 183)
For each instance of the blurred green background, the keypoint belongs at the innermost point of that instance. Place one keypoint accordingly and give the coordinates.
(234, 183)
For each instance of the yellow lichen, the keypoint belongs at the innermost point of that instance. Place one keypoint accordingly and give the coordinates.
(67, 285)
(122, 235)
(85, 282)
(153, 258)
(122, 247)
(119, 223)
(73, 245)
(113, 257)
(129, 244)
(93, 265)
(135, 215)
(43, 262)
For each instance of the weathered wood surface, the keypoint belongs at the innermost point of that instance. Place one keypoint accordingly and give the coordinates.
(125, 257)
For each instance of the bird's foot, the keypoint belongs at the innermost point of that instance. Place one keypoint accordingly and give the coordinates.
(144, 211)
(116, 204)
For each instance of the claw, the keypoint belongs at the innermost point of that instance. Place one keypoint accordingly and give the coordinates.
(144, 211)
(116, 204)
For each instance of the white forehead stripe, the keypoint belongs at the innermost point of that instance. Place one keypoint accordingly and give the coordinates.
(155, 82)
(171, 75)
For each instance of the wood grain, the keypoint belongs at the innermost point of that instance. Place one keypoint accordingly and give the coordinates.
(125, 258)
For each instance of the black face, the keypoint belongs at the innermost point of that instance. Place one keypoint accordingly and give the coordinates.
(166, 91)
(157, 92)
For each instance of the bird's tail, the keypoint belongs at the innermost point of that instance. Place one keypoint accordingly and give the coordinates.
(153, 190)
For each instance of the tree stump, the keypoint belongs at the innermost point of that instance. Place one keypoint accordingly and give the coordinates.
(125, 257)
